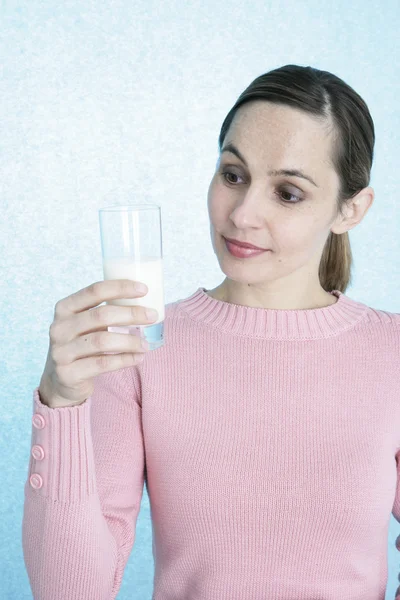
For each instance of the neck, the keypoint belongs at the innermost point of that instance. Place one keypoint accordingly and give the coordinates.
(243, 297)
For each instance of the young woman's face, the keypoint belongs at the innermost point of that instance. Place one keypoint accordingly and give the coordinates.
(287, 214)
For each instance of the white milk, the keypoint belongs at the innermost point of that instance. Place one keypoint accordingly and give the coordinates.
(148, 271)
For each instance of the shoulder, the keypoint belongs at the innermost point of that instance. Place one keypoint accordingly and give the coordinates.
(379, 316)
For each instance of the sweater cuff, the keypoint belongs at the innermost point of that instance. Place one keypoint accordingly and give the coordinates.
(61, 465)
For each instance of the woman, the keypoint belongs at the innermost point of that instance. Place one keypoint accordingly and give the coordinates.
(267, 427)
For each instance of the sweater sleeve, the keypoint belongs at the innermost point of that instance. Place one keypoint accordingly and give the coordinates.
(83, 491)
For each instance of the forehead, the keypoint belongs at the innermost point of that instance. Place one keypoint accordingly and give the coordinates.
(282, 136)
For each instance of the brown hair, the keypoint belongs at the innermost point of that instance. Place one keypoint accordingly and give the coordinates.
(329, 98)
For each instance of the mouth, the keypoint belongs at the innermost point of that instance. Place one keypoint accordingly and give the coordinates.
(243, 244)
(242, 252)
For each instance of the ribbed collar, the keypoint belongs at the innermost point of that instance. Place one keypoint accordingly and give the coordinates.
(272, 323)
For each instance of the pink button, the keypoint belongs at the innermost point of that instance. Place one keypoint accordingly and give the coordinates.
(38, 421)
(37, 452)
(36, 481)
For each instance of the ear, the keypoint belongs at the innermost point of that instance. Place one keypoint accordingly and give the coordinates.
(354, 211)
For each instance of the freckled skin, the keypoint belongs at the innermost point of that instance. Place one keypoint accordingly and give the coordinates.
(248, 206)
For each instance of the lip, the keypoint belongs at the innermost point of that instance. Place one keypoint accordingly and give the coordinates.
(241, 252)
(244, 244)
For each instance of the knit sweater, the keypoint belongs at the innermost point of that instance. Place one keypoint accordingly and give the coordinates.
(269, 444)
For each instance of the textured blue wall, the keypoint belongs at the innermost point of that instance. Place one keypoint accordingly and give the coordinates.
(96, 95)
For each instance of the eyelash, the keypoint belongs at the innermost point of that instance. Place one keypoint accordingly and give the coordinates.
(224, 173)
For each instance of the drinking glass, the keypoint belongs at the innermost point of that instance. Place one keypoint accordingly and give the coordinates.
(131, 243)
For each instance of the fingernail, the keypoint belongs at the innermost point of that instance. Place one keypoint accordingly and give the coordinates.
(145, 344)
(151, 314)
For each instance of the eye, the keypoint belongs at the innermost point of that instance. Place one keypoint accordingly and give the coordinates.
(282, 190)
(298, 199)
(225, 173)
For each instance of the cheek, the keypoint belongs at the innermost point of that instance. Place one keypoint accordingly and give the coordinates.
(294, 234)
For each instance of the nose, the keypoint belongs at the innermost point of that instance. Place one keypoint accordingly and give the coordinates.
(250, 211)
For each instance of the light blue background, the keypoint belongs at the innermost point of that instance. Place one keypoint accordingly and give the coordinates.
(96, 95)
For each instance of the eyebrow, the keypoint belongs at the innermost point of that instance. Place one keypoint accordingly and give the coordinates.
(289, 172)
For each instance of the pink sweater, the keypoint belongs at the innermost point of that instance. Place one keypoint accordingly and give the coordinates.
(269, 442)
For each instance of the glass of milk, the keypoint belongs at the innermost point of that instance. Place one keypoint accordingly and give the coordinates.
(131, 243)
